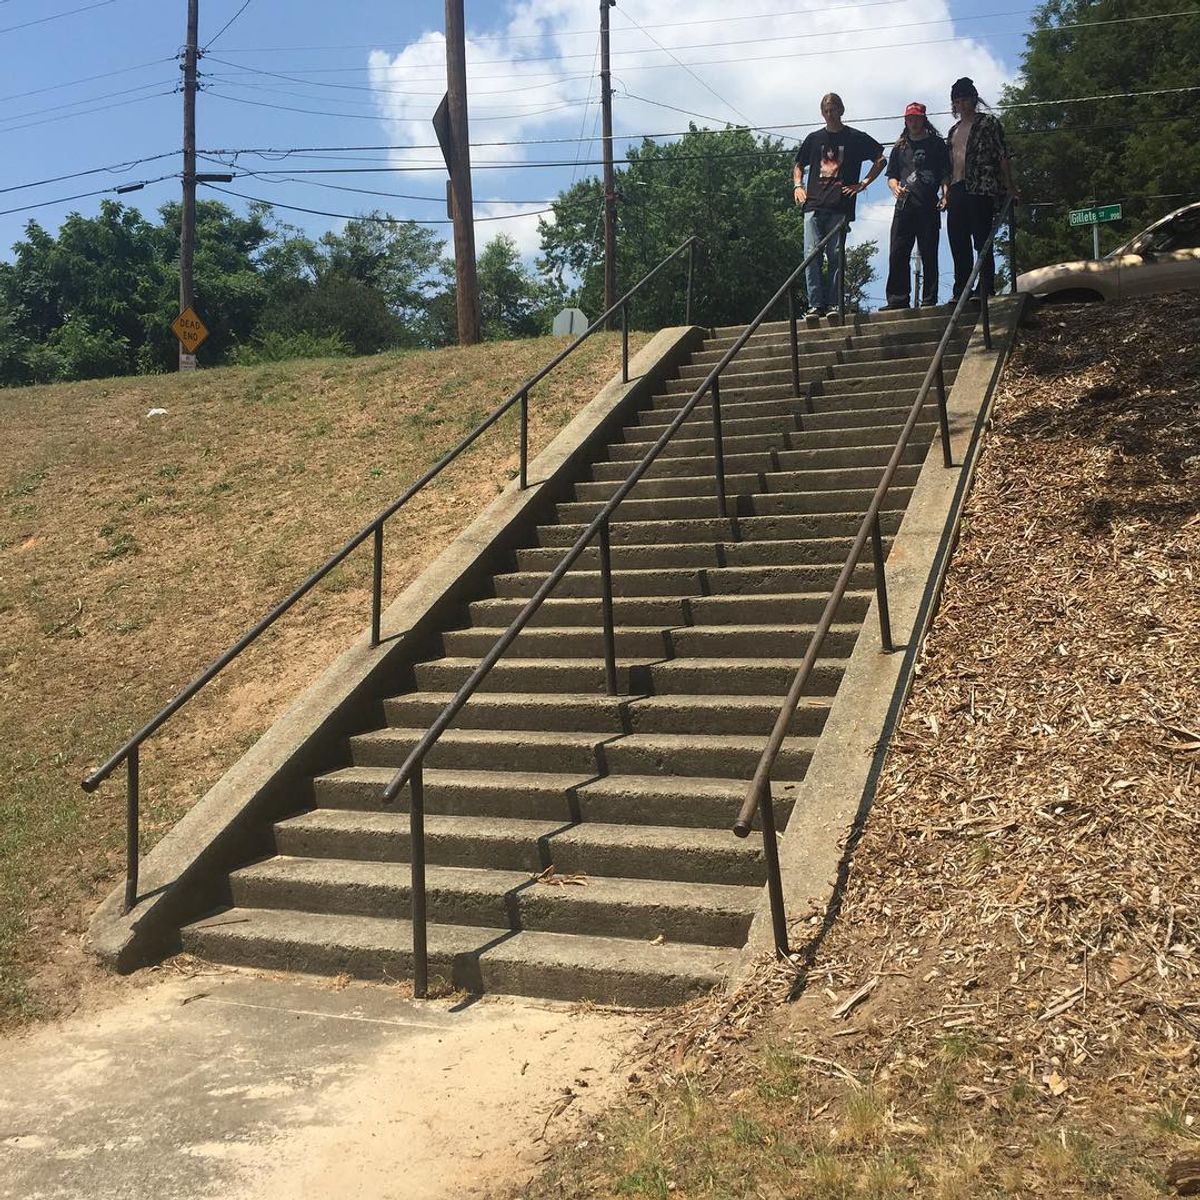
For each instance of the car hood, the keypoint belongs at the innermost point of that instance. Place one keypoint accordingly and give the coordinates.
(1087, 268)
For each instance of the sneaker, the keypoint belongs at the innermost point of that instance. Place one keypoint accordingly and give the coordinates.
(816, 312)
(894, 307)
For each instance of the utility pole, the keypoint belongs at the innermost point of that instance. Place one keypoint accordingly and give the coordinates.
(187, 226)
(610, 195)
(459, 162)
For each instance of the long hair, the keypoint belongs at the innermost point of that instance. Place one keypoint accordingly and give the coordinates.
(930, 131)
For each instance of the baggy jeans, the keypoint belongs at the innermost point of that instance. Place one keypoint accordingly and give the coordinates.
(968, 223)
(921, 224)
(816, 225)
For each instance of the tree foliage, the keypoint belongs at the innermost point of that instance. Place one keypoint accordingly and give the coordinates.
(730, 188)
(1140, 151)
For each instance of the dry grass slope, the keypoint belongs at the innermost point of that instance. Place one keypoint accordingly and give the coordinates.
(134, 549)
(1023, 902)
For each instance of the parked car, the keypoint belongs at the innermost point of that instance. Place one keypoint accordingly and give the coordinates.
(1163, 258)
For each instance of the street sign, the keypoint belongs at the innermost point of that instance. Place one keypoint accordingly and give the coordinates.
(1094, 216)
(189, 329)
(441, 126)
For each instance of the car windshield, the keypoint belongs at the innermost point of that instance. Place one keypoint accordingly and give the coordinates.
(1184, 216)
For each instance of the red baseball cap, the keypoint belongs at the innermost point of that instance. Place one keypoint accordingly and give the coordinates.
(915, 109)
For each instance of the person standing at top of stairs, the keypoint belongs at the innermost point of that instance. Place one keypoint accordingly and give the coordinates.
(833, 157)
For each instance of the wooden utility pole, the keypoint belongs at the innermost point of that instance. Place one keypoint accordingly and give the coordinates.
(610, 194)
(187, 226)
(459, 162)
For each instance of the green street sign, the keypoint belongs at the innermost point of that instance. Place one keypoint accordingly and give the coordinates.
(1094, 216)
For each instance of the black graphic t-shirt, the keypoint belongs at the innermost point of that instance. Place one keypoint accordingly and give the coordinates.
(920, 166)
(832, 160)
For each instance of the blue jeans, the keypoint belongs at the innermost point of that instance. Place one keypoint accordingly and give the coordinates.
(816, 225)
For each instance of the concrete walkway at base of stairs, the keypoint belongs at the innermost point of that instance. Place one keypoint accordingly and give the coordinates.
(237, 1086)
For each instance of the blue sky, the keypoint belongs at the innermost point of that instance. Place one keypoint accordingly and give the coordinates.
(94, 87)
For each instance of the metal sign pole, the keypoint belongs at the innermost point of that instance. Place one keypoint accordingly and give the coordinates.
(1095, 241)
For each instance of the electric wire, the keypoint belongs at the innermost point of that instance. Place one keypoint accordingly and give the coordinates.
(227, 24)
(85, 195)
(57, 16)
(55, 87)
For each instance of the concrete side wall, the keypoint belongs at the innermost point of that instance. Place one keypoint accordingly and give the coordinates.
(840, 783)
(185, 875)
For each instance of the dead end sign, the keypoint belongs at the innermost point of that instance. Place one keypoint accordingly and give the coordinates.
(189, 329)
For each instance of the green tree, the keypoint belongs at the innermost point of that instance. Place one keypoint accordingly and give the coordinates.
(729, 187)
(1142, 152)
(515, 303)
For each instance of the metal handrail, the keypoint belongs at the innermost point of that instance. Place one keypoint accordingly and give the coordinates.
(411, 771)
(128, 753)
(758, 793)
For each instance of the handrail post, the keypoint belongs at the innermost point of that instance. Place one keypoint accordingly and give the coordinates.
(625, 342)
(842, 273)
(810, 408)
(795, 339)
(774, 880)
(606, 609)
(944, 416)
(983, 307)
(881, 596)
(416, 854)
(377, 586)
(131, 830)
(691, 275)
(718, 448)
(524, 439)
(1012, 247)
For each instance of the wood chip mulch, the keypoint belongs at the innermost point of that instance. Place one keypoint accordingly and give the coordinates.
(1027, 881)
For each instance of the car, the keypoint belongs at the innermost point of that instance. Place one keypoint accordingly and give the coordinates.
(1162, 258)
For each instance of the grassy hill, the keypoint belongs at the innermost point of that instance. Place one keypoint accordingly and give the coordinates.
(135, 548)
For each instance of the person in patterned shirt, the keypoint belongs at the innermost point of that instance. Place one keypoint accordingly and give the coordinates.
(980, 172)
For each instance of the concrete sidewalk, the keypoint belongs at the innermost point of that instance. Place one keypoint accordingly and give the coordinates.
(233, 1085)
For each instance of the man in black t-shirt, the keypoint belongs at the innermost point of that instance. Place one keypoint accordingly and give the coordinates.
(833, 158)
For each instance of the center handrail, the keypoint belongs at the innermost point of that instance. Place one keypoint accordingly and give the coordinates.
(758, 798)
(411, 771)
(128, 752)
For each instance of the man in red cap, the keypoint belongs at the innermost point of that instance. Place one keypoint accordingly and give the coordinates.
(919, 175)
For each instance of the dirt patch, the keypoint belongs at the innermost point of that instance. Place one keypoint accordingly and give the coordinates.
(135, 548)
(1006, 1004)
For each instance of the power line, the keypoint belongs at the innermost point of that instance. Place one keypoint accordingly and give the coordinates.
(806, 35)
(377, 220)
(87, 112)
(85, 195)
(123, 166)
(89, 100)
(227, 24)
(55, 87)
(57, 16)
(389, 148)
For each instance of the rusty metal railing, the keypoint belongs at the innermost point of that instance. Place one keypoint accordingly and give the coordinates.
(129, 752)
(411, 772)
(758, 799)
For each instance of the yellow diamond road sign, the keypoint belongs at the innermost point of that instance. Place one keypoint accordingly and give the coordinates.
(189, 329)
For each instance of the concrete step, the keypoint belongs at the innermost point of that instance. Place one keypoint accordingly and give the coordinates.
(750, 715)
(672, 800)
(769, 552)
(793, 431)
(694, 855)
(712, 914)
(745, 384)
(638, 677)
(907, 320)
(769, 357)
(733, 756)
(682, 581)
(703, 487)
(686, 641)
(821, 458)
(475, 959)
(723, 529)
(777, 504)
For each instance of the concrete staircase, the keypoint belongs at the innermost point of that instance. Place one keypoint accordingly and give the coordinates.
(628, 798)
